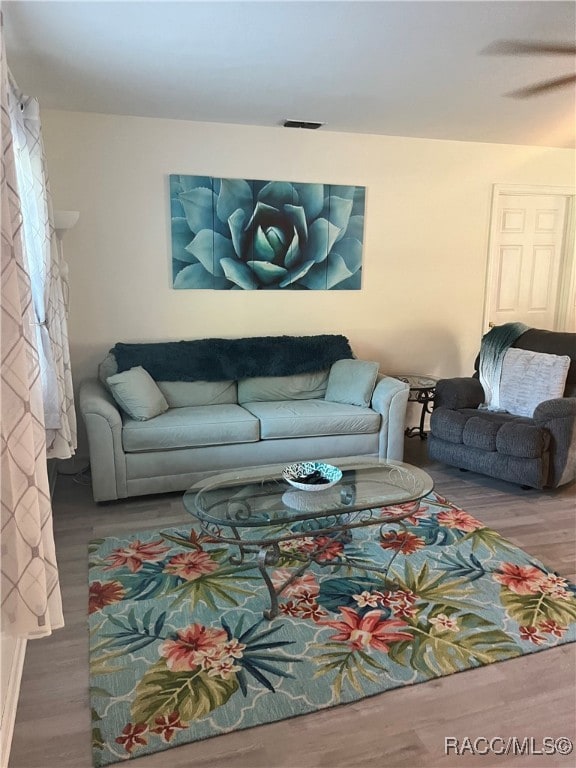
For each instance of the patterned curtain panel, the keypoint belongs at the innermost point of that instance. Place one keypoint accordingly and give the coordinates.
(47, 274)
(31, 602)
(61, 441)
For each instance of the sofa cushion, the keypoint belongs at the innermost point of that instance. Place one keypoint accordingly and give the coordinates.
(136, 393)
(448, 424)
(303, 386)
(180, 394)
(491, 431)
(352, 381)
(479, 432)
(305, 418)
(526, 441)
(530, 378)
(532, 472)
(190, 427)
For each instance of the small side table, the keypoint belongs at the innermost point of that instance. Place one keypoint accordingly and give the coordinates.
(422, 390)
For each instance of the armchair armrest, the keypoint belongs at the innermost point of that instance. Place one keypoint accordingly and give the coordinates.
(389, 399)
(104, 427)
(559, 408)
(458, 393)
(558, 416)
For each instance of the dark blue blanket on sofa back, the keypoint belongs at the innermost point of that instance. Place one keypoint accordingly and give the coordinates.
(231, 359)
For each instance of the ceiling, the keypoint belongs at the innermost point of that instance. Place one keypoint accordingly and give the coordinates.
(392, 68)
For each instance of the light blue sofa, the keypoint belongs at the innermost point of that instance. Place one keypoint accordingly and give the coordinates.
(222, 425)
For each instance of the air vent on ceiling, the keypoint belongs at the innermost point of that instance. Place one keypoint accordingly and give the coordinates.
(301, 124)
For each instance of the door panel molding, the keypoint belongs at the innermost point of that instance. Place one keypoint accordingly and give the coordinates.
(532, 189)
(566, 309)
(565, 301)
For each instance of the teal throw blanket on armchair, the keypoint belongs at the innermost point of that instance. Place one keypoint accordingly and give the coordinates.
(492, 351)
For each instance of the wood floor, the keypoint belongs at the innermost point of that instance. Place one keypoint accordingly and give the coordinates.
(532, 696)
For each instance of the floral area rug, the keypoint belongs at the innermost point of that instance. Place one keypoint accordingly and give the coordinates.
(180, 650)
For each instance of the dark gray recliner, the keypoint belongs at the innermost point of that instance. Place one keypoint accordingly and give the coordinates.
(539, 452)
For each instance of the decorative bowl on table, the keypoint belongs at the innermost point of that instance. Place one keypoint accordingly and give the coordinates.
(312, 475)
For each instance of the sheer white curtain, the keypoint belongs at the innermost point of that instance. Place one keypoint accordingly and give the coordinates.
(30, 590)
(47, 275)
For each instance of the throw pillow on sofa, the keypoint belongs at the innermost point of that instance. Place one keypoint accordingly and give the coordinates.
(352, 382)
(137, 394)
(530, 378)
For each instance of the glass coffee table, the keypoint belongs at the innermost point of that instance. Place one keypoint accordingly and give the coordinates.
(255, 511)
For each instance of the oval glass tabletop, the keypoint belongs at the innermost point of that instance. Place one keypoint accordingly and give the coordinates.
(258, 496)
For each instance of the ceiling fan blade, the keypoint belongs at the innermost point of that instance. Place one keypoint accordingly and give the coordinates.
(543, 87)
(529, 48)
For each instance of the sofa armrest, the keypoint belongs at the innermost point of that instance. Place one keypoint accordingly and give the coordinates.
(389, 399)
(464, 392)
(104, 427)
(558, 416)
(94, 398)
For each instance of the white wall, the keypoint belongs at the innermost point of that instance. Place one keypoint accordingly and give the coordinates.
(425, 250)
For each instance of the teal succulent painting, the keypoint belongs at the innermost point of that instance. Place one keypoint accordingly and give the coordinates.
(265, 235)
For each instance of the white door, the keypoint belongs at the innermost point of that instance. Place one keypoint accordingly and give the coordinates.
(526, 259)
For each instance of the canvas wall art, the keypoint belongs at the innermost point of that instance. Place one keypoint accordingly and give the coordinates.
(240, 234)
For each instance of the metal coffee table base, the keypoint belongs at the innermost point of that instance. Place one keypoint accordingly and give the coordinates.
(254, 511)
(269, 555)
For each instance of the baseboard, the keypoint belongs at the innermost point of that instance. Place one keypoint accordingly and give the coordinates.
(10, 703)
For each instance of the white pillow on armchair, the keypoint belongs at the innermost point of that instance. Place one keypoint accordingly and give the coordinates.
(530, 378)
